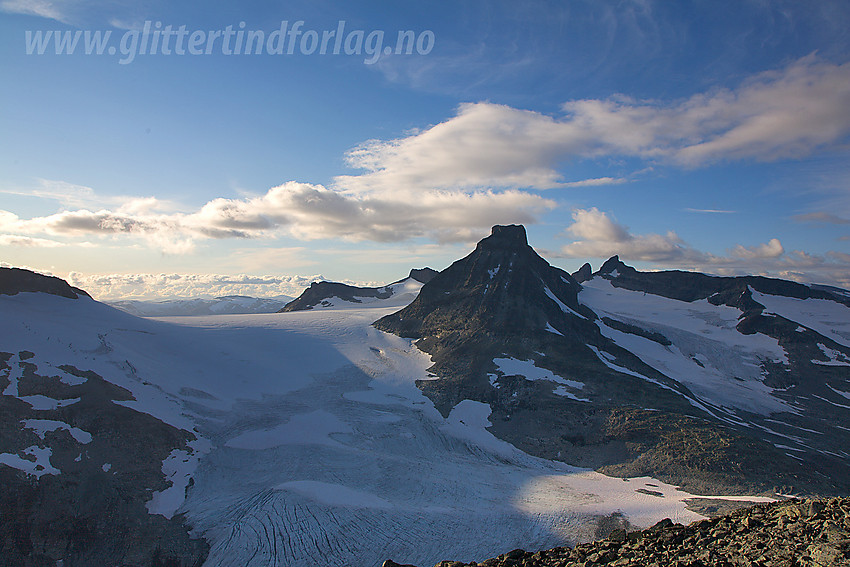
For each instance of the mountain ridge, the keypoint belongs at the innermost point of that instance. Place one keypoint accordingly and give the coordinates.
(502, 314)
(323, 294)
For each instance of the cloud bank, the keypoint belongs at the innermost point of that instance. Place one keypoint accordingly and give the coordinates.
(300, 210)
(165, 286)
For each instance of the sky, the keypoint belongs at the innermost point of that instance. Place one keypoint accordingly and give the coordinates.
(249, 148)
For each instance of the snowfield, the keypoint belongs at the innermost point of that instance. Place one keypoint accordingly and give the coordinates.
(708, 355)
(315, 445)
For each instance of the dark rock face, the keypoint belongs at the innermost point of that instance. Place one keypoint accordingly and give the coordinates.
(503, 301)
(583, 274)
(719, 290)
(809, 532)
(16, 280)
(500, 287)
(97, 465)
(422, 275)
(322, 291)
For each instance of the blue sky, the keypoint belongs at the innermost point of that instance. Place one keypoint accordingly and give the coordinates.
(696, 135)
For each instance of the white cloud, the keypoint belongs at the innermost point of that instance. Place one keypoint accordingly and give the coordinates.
(602, 237)
(710, 211)
(771, 249)
(452, 180)
(782, 114)
(301, 210)
(484, 145)
(74, 196)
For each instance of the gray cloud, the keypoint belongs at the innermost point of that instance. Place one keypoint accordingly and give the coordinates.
(821, 218)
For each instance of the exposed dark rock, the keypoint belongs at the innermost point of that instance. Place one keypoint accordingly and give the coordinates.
(16, 280)
(583, 274)
(792, 533)
(322, 291)
(635, 330)
(719, 290)
(422, 275)
(391, 563)
(90, 510)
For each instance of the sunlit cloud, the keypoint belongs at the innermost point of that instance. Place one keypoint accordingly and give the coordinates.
(784, 114)
(163, 286)
(299, 210)
(15, 240)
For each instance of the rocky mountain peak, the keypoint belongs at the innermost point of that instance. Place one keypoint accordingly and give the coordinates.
(614, 265)
(423, 275)
(583, 274)
(500, 295)
(510, 236)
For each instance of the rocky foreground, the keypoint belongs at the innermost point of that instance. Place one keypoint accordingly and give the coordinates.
(785, 533)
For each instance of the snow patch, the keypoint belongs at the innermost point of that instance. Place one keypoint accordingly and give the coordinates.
(834, 357)
(830, 319)
(709, 356)
(560, 303)
(552, 329)
(178, 469)
(42, 426)
(562, 391)
(43, 403)
(839, 392)
(528, 370)
(37, 468)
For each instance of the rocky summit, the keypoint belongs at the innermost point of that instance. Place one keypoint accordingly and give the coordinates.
(801, 533)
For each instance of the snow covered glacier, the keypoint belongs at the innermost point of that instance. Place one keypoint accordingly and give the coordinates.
(315, 445)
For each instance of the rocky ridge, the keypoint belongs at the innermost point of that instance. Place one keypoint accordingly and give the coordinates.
(17, 280)
(801, 533)
(322, 294)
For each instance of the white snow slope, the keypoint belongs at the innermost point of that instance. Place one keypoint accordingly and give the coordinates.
(229, 304)
(317, 448)
(720, 365)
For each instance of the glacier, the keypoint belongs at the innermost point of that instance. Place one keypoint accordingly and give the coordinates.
(315, 445)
